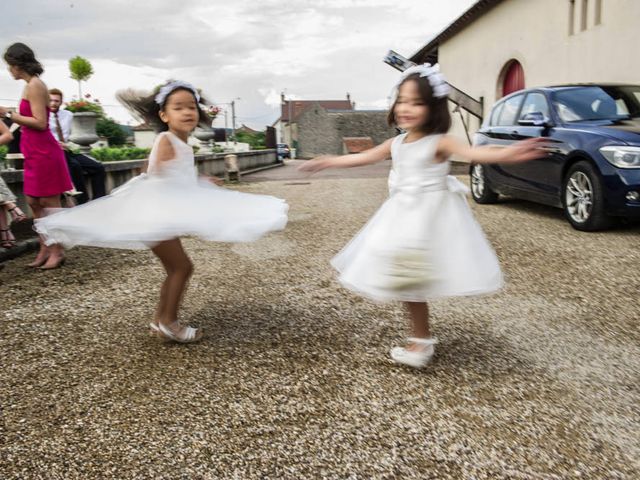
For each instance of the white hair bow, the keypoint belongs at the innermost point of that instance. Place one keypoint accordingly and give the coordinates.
(165, 91)
(436, 79)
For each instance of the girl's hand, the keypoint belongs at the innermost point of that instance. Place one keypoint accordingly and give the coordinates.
(317, 164)
(525, 151)
(3, 111)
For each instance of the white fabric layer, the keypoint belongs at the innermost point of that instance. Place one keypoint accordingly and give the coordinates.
(423, 243)
(168, 202)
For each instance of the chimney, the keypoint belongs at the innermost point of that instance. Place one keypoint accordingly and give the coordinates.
(282, 98)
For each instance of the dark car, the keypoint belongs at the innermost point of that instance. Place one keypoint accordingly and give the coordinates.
(283, 150)
(593, 168)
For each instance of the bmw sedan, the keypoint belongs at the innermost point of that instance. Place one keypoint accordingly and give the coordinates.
(592, 171)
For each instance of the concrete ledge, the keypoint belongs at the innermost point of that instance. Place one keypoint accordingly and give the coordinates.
(22, 247)
(122, 171)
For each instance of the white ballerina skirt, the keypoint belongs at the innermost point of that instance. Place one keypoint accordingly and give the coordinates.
(419, 246)
(151, 208)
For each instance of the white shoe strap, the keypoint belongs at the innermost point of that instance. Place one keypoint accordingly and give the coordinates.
(423, 341)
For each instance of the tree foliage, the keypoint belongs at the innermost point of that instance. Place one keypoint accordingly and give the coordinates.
(107, 127)
(255, 140)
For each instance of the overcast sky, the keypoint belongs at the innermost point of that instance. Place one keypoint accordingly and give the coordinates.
(251, 49)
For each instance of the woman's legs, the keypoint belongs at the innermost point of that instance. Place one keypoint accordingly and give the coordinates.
(56, 252)
(43, 253)
(7, 240)
(179, 269)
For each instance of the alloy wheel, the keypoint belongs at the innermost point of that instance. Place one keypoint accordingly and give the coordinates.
(579, 197)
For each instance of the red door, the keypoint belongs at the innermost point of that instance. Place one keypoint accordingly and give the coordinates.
(513, 78)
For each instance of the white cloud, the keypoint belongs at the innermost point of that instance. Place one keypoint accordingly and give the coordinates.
(252, 50)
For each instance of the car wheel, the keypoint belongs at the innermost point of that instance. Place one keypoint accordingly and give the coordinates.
(582, 198)
(480, 190)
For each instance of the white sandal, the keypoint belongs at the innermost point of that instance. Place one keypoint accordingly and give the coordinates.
(186, 334)
(415, 358)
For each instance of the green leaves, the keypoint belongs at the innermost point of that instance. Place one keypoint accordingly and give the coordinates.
(80, 68)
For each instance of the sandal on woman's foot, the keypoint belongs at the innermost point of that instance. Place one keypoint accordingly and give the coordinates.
(185, 335)
(17, 215)
(7, 240)
(153, 329)
(415, 358)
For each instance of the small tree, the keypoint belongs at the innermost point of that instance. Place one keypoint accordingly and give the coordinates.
(81, 70)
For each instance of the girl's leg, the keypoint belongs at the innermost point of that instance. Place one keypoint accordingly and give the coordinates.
(179, 269)
(421, 346)
(43, 253)
(56, 252)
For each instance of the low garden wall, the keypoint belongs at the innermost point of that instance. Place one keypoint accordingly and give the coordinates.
(124, 170)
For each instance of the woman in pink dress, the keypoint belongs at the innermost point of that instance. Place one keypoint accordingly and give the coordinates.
(46, 175)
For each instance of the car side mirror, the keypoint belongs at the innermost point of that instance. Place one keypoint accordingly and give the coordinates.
(534, 119)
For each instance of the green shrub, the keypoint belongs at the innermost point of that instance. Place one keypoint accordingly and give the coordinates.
(111, 154)
(107, 127)
(3, 155)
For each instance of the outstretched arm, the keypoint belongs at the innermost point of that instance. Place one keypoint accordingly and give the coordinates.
(373, 155)
(518, 152)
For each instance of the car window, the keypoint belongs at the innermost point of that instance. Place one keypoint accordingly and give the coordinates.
(509, 111)
(594, 103)
(535, 102)
(495, 114)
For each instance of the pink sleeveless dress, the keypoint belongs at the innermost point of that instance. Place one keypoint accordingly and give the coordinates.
(45, 169)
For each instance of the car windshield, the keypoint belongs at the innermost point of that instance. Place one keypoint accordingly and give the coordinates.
(581, 104)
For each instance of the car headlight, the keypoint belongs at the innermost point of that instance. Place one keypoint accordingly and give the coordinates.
(622, 157)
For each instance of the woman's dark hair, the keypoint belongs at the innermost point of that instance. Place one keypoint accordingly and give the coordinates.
(143, 106)
(438, 118)
(21, 56)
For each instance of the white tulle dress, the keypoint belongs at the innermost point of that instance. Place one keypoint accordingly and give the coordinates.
(423, 243)
(167, 202)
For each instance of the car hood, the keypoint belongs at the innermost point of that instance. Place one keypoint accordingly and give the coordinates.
(627, 131)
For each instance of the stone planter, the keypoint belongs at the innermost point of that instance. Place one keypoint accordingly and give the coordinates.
(83, 130)
(206, 136)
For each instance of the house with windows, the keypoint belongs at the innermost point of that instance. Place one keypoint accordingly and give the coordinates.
(286, 125)
(497, 47)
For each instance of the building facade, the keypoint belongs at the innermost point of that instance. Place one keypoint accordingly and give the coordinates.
(499, 46)
(323, 131)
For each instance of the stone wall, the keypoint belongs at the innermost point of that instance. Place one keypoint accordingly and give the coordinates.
(120, 172)
(320, 131)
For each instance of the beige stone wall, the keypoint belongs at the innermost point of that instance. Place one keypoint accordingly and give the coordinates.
(536, 33)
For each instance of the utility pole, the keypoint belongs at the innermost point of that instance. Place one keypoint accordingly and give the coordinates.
(226, 137)
(233, 120)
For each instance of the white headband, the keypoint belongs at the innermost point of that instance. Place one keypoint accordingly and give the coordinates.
(437, 81)
(170, 87)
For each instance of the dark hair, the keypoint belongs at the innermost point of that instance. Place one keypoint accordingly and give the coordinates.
(21, 56)
(143, 105)
(438, 118)
(56, 91)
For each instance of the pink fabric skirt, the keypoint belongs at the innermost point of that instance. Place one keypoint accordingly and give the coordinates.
(45, 168)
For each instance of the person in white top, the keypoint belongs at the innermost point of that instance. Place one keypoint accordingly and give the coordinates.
(79, 165)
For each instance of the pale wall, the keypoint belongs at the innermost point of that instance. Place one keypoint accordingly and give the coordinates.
(536, 33)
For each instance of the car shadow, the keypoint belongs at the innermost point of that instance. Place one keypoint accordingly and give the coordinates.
(620, 225)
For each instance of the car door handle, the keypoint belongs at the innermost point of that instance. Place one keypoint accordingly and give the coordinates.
(515, 132)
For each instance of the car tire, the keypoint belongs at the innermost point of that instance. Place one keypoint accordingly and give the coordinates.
(583, 198)
(480, 189)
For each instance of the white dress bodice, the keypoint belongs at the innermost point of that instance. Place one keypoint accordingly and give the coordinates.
(181, 168)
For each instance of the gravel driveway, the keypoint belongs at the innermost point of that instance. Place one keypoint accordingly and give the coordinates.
(293, 379)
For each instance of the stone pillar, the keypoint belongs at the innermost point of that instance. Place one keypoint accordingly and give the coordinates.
(232, 172)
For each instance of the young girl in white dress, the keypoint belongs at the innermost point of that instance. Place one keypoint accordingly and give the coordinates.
(155, 209)
(423, 243)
